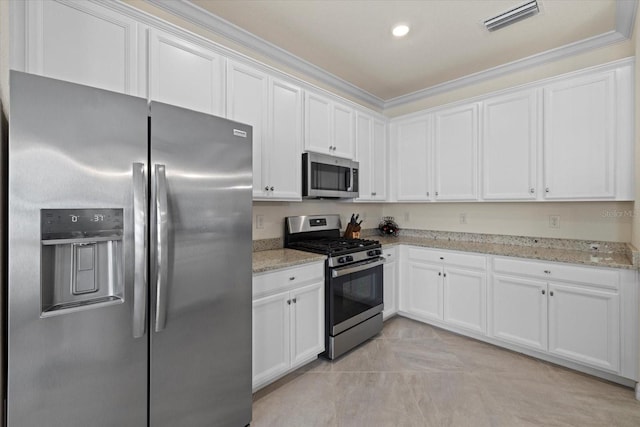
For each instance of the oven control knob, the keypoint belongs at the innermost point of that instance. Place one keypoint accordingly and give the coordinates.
(371, 253)
(349, 258)
(341, 260)
(378, 251)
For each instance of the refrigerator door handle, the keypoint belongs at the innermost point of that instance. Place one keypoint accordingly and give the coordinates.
(162, 237)
(139, 249)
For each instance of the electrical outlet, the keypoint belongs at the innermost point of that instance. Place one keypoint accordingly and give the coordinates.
(463, 218)
(407, 217)
(259, 222)
(554, 221)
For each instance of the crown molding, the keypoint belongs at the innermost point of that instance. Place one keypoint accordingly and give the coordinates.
(625, 20)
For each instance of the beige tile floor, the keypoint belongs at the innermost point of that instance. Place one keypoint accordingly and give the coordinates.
(413, 374)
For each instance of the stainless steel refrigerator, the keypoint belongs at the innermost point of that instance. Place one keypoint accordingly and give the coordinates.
(129, 261)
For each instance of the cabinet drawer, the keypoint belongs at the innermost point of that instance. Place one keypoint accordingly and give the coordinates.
(448, 258)
(555, 271)
(273, 281)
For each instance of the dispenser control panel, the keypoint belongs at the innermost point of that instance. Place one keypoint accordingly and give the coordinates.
(80, 223)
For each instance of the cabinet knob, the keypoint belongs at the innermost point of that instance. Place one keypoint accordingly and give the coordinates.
(295, 300)
(271, 189)
(289, 301)
(373, 194)
(440, 274)
(551, 293)
(546, 190)
(436, 193)
(427, 194)
(266, 188)
(445, 274)
(547, 272)
(292, 278)
(543, 292)
(532, 190)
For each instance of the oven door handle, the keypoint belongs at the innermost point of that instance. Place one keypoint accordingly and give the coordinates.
(337, 272)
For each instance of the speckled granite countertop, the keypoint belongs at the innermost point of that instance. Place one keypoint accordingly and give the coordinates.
(280, 258)
(269, 254)
(604, 259)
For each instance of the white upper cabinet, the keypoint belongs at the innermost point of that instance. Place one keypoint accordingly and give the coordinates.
(185, 74)
(509, 146)
(412, 165)
(580, 138)
(329, 126)
(456, 153)
(274, 109)
(84, 43)
(371, 155)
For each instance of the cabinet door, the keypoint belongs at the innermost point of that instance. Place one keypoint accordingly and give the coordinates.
(247, 93)
(379, 151)
(365, 156)
(84, 43)
(389, 287)
(185, 74)
(317, 133)
(518, 311)
(307, 323)
(465, 298)
(343, 134)
(424, 290)
(579, 138)
(413, 157)
(456, 153)
(584, 325)
(509, 147)
(283, 148)
(271, 337)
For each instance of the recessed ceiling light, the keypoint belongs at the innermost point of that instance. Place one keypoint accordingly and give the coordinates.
(400, 30)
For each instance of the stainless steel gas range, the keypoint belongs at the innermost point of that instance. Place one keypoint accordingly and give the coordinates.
(353, 280)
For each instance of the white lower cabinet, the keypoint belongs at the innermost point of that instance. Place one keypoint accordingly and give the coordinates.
(288, 321)
(571, 312)
(584, 325)
(390, 282)
(445, 287)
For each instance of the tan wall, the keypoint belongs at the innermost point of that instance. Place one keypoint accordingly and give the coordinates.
(606, 221)
(274, 212)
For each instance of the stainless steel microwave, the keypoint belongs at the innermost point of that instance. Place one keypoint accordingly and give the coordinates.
(328, 177)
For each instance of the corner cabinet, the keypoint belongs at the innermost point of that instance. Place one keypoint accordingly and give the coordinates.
(412, 157)
(185, 74)
(274, 109)
(288, 321)
(329, 126)
(444, 287)
(371, 154)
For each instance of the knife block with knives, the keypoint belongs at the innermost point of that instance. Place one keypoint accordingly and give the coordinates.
(353, 228)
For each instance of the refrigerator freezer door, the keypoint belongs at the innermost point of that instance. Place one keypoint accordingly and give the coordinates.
(71, 148)
(201, 338)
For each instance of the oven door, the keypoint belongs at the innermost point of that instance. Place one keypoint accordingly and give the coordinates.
(354, 294)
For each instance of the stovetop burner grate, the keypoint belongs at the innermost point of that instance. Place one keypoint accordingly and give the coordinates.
(334, 246)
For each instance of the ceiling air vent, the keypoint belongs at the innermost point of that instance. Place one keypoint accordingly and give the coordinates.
(512, 16)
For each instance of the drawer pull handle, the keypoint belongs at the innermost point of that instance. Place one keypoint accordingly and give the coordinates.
(441, 257)
(547, 271)
(292, 278)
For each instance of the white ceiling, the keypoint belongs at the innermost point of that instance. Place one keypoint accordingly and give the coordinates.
(351, 40)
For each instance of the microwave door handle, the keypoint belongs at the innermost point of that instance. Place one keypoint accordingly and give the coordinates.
(348, 179)
(139, 249)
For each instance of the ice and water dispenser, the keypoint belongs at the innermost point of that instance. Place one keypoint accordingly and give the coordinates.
(82, 258)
